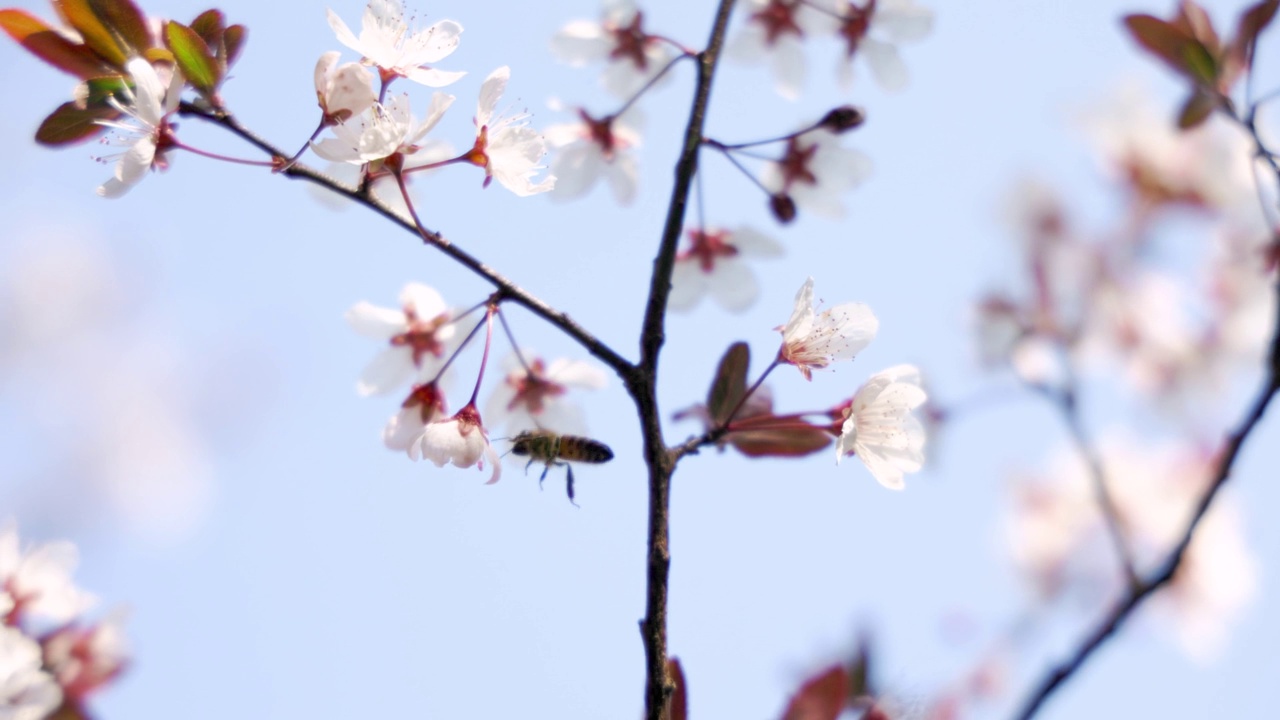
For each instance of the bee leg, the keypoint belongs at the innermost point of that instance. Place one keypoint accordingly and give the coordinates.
(543, 476)
(526, 466)
(568, 469)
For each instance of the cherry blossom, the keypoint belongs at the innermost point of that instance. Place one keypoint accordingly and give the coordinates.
(1059, 541)
(147, 130)
(873, 29)
(85, 659)
(595, 147)
(461, 440)
(815, 171)
(506, 147)
(424, 406)
(417, 337)
(534, 398)
(714, 262)
(634, 56)
(814, 340)
(777, 30)
(383, 131)
(27, 692)
(343, 91)
(38, 579)
(879, 428)
(386, 42)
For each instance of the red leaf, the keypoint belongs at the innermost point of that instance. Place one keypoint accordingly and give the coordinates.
(45, 43)
(1252, 22)
(1192, 18)
(71, 123)
(208, 25)
(780, 442)
(1175, 46)
(822, 697)
(233, 40)
(126, 23)
(1198, 107)
(730, 383)
(680, 698)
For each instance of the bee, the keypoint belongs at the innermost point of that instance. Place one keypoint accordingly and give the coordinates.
(554, 449)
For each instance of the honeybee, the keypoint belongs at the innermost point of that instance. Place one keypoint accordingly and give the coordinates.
(554, 449)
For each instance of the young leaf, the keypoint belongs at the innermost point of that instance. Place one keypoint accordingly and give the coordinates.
(1174, 46)
(193, 57)
(126, 22)
(71, 123)
(730, 383)
(1251, 24)
(80, 15)
(780, 442)
(233, 42)
(822, 697)
(680, 698)
(1198, 107)
(209, 26)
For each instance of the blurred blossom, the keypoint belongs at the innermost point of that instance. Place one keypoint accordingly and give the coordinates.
(417, 338)
(714, 263)
(815, 340)
(425, 405)
(533, 398)
(776, 30)
(815, 172)
(1059, 540)
(86, 659)
(38, 579)
(595, 147)
(1140, 145)
(873, 29)
(634, 57)
(386, 42)
(27, 692)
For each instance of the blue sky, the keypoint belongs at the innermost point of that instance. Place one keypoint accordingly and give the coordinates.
(278, 562)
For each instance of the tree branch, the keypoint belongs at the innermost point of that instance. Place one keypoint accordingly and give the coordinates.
(508, 289)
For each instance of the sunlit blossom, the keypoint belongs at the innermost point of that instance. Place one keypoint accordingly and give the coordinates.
(814, 340)
(38, 579)
(416, 337)
(343, 91)
(27, 692)
(147, 130)
(382, 131)
(506, 147)
(880, 429)
(387, 42)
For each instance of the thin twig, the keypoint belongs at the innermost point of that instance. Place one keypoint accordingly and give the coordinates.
(509, 290)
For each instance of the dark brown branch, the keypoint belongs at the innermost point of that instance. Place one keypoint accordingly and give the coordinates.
(642, 385)
(1235, 441)
(508, 289)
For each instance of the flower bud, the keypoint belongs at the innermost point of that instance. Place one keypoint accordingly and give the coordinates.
(783, 207)
(843, 118)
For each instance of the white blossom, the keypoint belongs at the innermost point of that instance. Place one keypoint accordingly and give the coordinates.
(776, 30)
(880, 429)
(147, 131)
(534, 398)
(815, 171)
(814, 340)
(26, 691)
(461, 440)
(343, 91)
(381, 131)
(506, 147)
(714, 263)
(417, 337)
(85, 659)
(873, 29)
(38, 579)
(618, 38)
(595, 147)
(387, 42)
(424, 406)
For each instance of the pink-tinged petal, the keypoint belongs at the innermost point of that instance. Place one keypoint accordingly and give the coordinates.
(375, 322)
(490, 93)
(733, 284)
(431, 77)
(688, 285)
(389, 369)
(495, 462)
(886, 64)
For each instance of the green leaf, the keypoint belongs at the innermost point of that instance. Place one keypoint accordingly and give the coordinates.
(730, 383)
(780, 442)
(193, 57)
(45, 43)
(99, 89)
(80, 15)
(126, 23)
(71, 123)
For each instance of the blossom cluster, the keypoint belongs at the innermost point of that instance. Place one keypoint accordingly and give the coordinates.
(51, 659)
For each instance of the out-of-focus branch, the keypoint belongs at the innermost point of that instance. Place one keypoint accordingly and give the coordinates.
(1235, 441)
(508, 289)
(643, 383)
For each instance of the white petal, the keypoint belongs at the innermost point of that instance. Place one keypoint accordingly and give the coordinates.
(886, 64)
(344, 34)
(390, 368)
(801, 315)
(688, 285)
(580, 42)
(425, 301)
(753, 243)
(441, 40)
(375, 322)
(577, 373)
(324, 66)
(490, 92)
(788, 67)
(148, 91)
(576, 167)
(431, 77)
(733, 284)
(902, 20)
(622, 174)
